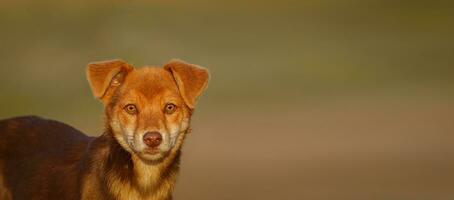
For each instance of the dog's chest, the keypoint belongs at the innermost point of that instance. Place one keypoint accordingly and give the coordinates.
(146, 179)
(124, 191)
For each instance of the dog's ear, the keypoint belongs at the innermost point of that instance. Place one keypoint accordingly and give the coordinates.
(191, 80)
(104, 75)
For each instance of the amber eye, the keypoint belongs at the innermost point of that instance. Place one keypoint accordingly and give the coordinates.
(170, 108)
(131, 109)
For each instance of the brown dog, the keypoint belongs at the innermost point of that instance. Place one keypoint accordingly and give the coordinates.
(147, 115)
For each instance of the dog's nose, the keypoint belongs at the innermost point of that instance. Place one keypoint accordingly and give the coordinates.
(152, 139)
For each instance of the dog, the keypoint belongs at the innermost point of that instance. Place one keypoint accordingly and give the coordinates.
(147, 116)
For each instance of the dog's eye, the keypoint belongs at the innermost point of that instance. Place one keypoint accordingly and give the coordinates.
(131, 109)
(170, 108)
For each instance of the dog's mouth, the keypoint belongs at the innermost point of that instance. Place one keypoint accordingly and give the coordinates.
(135, 144)
(153, 151)
(157, 154)
(153, 156)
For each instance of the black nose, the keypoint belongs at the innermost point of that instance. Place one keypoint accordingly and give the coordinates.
(152, 139)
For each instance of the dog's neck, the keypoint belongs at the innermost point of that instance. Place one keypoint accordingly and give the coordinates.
(126, 176)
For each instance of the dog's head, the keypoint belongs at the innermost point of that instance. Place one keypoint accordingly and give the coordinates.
(148, 109)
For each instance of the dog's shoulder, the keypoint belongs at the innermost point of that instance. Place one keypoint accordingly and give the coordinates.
(28, 121)
(21, 120)
(35, 124)
(38, 153)
(34, 131)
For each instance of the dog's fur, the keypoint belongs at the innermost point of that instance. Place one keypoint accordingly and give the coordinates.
(45, 159)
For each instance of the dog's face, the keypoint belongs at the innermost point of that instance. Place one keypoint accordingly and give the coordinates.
(148, 109)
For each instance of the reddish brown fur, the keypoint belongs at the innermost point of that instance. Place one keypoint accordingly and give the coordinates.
(45, 159)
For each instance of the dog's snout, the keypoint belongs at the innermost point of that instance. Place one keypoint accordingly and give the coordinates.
(152, 139)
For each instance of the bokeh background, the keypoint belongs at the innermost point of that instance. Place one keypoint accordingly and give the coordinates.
(317, 99)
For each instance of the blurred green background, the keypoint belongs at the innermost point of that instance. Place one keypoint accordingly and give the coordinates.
(307, 100)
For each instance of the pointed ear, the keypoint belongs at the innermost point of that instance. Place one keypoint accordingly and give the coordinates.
(104, 75)
(191, 80)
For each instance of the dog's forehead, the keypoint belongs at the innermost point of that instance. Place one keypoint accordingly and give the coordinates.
(150, 81)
